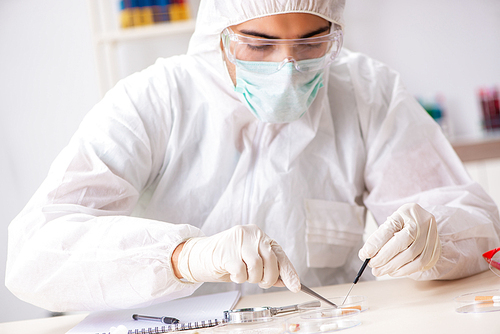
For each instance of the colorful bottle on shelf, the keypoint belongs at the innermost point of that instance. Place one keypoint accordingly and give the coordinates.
(136, 13)
(490, 108)
(146, 8)
(146, 12)
(179, 10)
(435, 107)
(126, 20)
(495, 107)
(161, 11)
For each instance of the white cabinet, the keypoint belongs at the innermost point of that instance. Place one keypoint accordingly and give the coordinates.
(107, 37)
(487, 174)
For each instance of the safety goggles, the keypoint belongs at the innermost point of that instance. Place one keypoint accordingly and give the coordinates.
(307, 54)
(493, 258)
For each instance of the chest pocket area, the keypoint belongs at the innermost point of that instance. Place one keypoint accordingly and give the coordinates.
(333, 229)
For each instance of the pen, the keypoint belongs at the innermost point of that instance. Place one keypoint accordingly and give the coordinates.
(165, 320)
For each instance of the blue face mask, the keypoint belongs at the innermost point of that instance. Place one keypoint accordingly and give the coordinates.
(277, 96)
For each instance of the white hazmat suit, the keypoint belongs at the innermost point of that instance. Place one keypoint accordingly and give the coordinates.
(171, 153)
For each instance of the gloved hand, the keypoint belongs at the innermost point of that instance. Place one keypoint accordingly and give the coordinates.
(242, 253)
(407, 242)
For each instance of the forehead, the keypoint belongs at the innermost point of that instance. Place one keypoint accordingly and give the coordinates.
(289, 25)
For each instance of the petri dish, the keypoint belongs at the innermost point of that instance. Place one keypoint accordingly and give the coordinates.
(323, 320)
(478, 302)
(274, 326)
(354, 302)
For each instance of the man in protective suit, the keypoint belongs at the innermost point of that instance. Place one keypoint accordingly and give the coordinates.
(250, 160)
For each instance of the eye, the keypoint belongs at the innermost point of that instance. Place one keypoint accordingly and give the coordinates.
(259, 47)
(310, 47)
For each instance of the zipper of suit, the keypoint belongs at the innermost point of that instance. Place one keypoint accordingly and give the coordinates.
(249, 180)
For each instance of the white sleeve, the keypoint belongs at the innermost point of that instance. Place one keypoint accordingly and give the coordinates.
(75, 247)
(409, 160)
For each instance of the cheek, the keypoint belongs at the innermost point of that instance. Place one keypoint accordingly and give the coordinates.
(231, 69)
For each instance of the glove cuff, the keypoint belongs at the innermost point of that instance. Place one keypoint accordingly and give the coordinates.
(436, 255)
(183, 262)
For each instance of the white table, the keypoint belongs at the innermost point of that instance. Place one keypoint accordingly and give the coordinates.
(395, 306)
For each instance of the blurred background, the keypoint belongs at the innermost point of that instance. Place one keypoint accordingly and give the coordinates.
(58, 57)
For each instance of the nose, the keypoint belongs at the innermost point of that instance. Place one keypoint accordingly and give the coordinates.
(285, 52)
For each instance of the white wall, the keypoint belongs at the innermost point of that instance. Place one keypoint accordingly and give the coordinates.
(438, 46)
(47, 83)
(48, 80)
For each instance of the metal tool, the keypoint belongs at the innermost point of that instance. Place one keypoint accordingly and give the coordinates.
(316, 295)
(254, 314)
(360, 272)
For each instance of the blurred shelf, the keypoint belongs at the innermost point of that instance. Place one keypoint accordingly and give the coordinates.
(478, 148)
(144, 32)
(107, 37)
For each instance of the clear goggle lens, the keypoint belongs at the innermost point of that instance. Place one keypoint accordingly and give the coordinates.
(493, 258)
(323, 49)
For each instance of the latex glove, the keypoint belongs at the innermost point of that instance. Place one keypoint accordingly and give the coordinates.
(242, 253)
(407, 242)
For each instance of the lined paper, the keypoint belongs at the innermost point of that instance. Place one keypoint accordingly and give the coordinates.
(190, 309)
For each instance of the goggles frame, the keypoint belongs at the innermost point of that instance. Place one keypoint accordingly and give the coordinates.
(335, 38)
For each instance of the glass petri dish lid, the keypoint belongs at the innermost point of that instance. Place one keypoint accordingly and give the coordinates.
(323, 320)
(478, 302)
(271, 326)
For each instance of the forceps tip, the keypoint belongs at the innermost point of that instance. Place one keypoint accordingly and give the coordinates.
(316, 295)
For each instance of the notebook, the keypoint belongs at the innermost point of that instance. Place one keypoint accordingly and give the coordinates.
(187, 310)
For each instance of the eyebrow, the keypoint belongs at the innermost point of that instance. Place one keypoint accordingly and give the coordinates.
(261, 35)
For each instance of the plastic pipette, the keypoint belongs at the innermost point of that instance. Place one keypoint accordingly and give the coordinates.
(360, 272)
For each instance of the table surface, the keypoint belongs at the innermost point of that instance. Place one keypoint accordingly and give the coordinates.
(395, 306)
